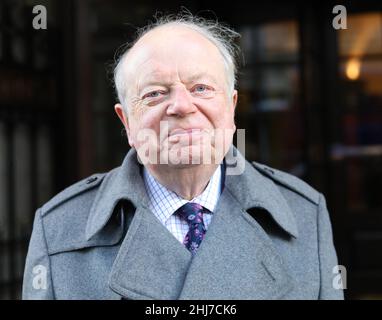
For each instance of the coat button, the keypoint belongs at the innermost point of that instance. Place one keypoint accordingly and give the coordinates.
(91, 180)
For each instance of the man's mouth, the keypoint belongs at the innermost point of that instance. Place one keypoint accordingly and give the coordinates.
(188, 131)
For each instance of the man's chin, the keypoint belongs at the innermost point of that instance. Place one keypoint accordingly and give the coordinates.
(187, 161)
(182, 165)
(187, 157)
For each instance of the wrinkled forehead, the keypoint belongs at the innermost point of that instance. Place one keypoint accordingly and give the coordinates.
(169, 51)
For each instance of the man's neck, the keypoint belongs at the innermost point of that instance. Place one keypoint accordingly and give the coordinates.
(187, 182)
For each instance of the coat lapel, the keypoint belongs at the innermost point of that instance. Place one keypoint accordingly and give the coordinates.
(236, 259)
(151, 263)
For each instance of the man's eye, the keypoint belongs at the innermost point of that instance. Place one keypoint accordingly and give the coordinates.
(153, 94)
(200, 88)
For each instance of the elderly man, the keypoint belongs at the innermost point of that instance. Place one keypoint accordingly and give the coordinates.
(174, 221)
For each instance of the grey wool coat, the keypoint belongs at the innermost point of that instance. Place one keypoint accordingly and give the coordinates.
(270, 238)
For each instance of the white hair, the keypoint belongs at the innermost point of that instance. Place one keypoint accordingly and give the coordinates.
(219, 34)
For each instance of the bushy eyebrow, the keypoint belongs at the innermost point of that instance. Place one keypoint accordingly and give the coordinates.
(199, 76)
(153, 81)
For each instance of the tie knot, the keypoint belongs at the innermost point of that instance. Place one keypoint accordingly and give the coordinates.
(191, 212)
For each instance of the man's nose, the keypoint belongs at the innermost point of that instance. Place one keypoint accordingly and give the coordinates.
(180, 102)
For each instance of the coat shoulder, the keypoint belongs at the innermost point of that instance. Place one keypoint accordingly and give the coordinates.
(65, 217)
(289, 181)
(73, 191)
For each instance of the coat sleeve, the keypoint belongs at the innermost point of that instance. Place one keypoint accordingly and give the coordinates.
(327, 256)
(37, 283)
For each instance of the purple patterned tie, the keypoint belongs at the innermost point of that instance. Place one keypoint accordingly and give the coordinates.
(193, 213)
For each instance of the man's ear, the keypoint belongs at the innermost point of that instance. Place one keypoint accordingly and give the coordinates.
(234, 104)
(234, 98)
(120, 111)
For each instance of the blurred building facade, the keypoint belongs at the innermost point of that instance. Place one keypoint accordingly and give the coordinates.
(310, 100)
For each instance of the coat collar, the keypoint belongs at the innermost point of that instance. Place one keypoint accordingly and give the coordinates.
(122, 183)
(251, 189)
(255, 190)
(236, 260)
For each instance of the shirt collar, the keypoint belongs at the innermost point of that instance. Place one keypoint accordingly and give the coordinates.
(164, 202)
